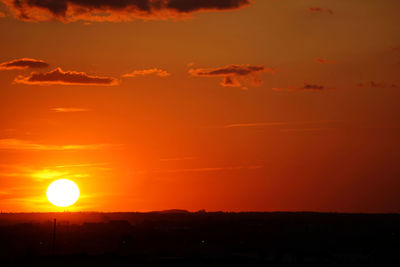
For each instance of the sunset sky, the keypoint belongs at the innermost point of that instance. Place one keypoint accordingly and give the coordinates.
(233, 105)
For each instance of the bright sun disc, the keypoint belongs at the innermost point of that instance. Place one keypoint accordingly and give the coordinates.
(62, 193)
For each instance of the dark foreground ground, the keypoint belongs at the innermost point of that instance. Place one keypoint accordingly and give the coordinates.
(179, 238)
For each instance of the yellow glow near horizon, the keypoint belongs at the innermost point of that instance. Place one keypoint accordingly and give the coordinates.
(62, 193)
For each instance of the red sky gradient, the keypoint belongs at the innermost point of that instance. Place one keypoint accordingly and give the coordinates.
(242, 105)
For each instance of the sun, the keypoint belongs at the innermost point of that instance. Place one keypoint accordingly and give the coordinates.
(62, 193)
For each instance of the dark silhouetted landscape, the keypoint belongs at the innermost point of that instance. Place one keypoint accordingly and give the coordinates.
(181, 238)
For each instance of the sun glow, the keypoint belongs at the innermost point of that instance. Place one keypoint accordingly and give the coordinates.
(62, 193)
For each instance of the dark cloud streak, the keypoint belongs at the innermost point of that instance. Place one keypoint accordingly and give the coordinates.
(305, 87)
(114, 10)
(58, 76)
(233, 75)
(23, 63)
(308, 86)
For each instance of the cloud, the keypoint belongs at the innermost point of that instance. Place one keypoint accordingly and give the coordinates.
(373, 84)
(320, 10)
(254, 124)
(324, 61)
(305, 87)
(23, 63)
(41, 174)
(233, 75)
(114, 10)
(277, 123)
(47, 174)
(156, 71)
(178, 159)
(307, 130)
(17, 144)
(213, 169)
(308, 86)
(60, 77)
(230, 81)
(69, 110)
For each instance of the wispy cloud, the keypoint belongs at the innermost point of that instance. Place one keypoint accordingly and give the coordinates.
(233, 75)
(212, 169)
(308, 86)
(304, 87)
(177, 159)
(255, 124)
(71, 171)
(48, 174)
(155, 71)
(278, 123)
(39, 175)
(324, 61)
(17, 144)
(98, 165)
(320, 10)
(23, 63)
(69, 110)
(115, 10)
(381, 85)
(307, 129)
(60, 77)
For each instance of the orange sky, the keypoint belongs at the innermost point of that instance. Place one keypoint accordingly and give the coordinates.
(236, 105)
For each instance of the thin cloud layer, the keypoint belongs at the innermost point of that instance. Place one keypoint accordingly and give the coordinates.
(69, 110)
(306, 130)
(51, 172)
(156, 71)
(23, 63)
(60, 77)
(114, 10)
(17, 144)
(213, 169)
(255, 124)
(178, 159)
(233, 75)
(277, 123)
